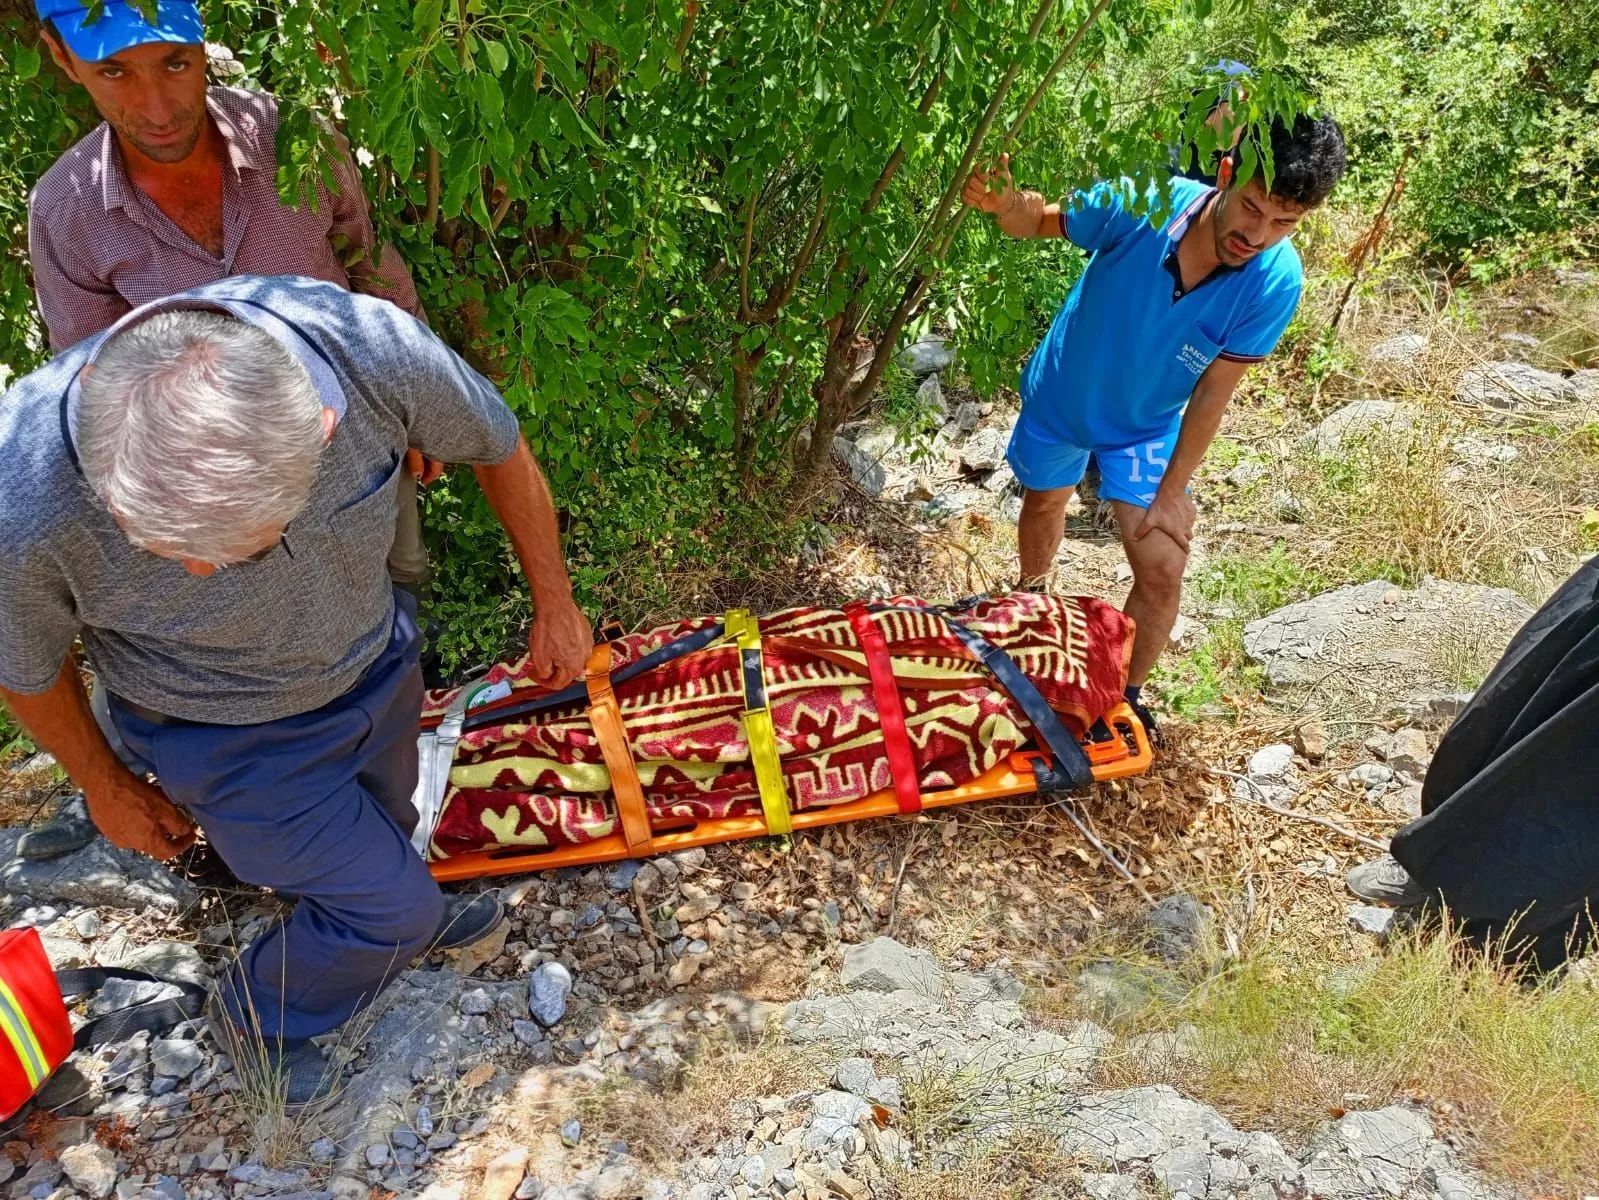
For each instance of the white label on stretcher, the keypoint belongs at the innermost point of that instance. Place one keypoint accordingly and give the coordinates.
(489, 693)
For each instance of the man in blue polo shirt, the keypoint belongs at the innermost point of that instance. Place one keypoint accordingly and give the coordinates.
(1138, 365)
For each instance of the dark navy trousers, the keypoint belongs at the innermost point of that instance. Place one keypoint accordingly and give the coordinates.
(317, 805)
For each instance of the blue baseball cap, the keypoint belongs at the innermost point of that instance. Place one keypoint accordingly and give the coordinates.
(121, 25)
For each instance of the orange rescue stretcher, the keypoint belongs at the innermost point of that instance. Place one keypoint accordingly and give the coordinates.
(1053, 759)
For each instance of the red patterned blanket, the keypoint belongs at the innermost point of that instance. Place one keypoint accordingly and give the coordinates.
(543, 781)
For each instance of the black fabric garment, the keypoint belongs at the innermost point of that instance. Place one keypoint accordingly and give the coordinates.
(1509, 832)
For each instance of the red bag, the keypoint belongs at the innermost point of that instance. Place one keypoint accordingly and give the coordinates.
(35, 1035)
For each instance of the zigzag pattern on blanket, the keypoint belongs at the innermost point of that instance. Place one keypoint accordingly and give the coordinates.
(545, 783)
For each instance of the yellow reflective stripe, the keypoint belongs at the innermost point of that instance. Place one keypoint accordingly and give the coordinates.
(14, 1023)
(744, 629)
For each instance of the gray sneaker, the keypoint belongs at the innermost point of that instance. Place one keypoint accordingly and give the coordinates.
(70, 829)
(468, 920)
(1384, 881)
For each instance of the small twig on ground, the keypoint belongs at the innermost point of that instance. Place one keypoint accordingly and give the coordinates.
(1116, 863)
(899, 877)
(641, 909)
(1261, 802)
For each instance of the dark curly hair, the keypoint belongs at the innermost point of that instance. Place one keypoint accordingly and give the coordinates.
(1307, 160)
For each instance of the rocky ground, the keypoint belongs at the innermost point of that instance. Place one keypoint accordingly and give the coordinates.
(877, 1011)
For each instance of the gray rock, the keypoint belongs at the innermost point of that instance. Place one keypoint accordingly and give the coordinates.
(1435, 711)
(1117, 1128)
(178, 1059)
(884, 965)
(1351, 628)
(928, 355)
(1000, 479)
(1482, 454)
(88, 924)
(1110, 1187)
(323, 1150)
(620, 879)
(863, 468)
(377, 1154)
(1183, 1169)
(1177, 927)
(984, 450)
(967, 416)
(1374, 777)
(476, 1002)
(841, 1106)
(1401, 348)
(571, 1132)
(167, 1188)
(1357, 422)
(163, 1085)
(91, 1168)
(1513, 387)
(1248, 471)
(1270, 776)
(98, 876)
(68, 1092)
(1585, 383)
(1118, 991)
(854, 1075)
(529, 1189)
(1408, 753)
(1369, 918)
(547, 990)
(930, 395)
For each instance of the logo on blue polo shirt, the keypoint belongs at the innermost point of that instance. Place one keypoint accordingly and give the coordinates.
(1195, 359)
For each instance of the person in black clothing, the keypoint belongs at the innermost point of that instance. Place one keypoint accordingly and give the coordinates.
(1220, 118)
(1508, 839)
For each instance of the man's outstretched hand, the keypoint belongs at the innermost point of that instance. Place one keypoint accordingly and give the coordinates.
(137, 815)
(1017, 212)
(558, 645)
(1172, 513)
(990, 191)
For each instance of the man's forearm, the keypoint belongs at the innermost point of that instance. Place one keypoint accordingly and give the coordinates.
(60, 721)
(517, 493)
(1201, 423)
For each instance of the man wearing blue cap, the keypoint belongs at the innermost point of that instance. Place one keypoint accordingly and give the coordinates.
(177, 190)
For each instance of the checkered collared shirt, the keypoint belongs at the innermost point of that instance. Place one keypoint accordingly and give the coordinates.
(101, 247)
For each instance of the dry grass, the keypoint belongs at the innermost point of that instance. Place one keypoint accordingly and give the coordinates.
(1511, 1064)
(1025, 1167)
(664, 1125)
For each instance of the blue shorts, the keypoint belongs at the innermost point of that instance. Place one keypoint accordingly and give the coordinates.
(1127, 473)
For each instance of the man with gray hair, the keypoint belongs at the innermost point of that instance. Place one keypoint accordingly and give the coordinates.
(204, 495)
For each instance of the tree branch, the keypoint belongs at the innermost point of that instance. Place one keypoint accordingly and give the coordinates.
(929, 98)
(974, 144)
(430, 217)
(775, 302)
(744, 260)
(1061, 60)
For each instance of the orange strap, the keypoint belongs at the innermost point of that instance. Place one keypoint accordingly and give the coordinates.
(606, 717)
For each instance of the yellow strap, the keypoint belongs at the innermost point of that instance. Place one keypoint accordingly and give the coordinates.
(761, 734)
(14, 1024)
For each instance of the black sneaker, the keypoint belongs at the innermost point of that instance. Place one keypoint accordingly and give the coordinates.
(1384, 881)
(468, 920)
(1157, 739)
(70, 829)
(296, 1068)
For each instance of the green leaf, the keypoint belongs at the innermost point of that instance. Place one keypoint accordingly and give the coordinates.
(491, 100)
(27, 62)
(426, 17)
(708, 204)
(499, 56)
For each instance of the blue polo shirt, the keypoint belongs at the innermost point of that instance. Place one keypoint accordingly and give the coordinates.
(1123, 354)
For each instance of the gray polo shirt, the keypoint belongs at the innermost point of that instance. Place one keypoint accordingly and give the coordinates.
(261, 640)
